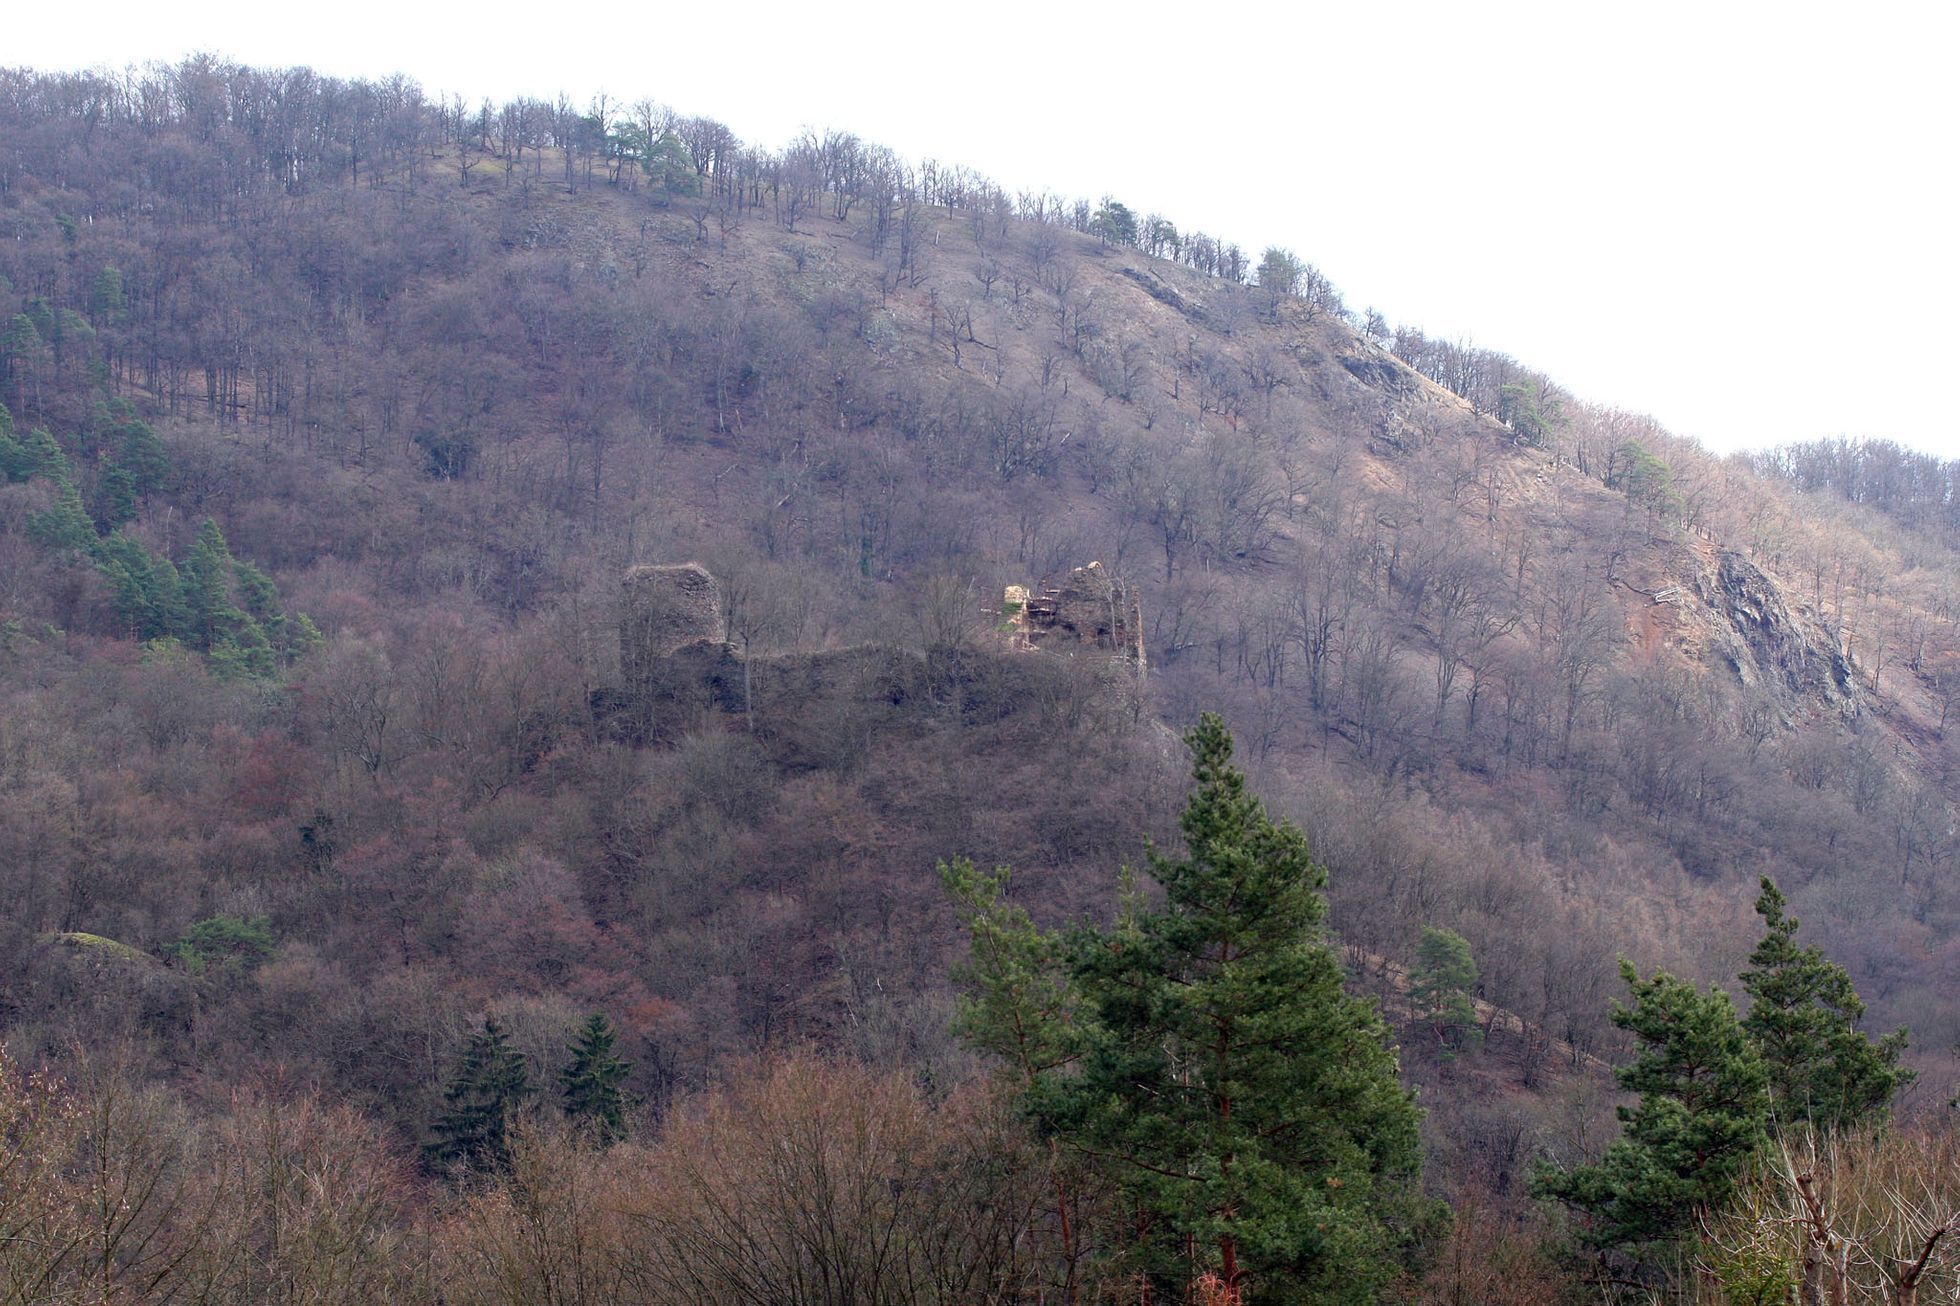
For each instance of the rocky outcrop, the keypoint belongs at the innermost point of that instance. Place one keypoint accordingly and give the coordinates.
(1089, 609)
(1768, 644)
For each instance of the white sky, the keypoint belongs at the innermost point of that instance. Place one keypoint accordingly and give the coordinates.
(1739, 218)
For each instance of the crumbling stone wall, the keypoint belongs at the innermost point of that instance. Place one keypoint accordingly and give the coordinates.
(663, 610)
(677, 669)
(1089, 608)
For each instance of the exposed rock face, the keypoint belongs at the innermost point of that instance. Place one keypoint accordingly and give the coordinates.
(1766, 643)
(1089, 608)
(663, 610)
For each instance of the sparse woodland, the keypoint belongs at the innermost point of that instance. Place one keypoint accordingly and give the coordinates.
(334, 413)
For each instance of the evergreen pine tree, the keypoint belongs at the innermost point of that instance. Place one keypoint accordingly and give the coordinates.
(594, 1097)
(1248, 1106)
(66, 525)
(45, 456)
(260, 598)
(115, 497)
(1443, 986)
(1803, 1017)
(1019, 1005)
(145, 589)
(491, 1084)
(138, 448)
(14, 462)
(207, 588)
(1700, 1120)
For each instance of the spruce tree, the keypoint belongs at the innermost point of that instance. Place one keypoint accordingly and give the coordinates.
(594, 1097)
(491, 1085)
(207, 588)
(1803, 1017)
(1701, 1117)
(1247, 1106)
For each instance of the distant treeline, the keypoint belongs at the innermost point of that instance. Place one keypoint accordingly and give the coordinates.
(1918, 490)
(247, 132)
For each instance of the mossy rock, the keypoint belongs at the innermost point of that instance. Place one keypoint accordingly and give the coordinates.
(95, 945)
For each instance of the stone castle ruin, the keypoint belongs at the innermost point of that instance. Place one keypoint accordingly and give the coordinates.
(661, 611)
(1087, 609)
(676, 665)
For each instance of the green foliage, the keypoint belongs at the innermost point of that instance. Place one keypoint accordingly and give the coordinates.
(13, 454)
(20, 341)
(667, 168)
(207, 586)
(45, 456)
(106, 301)
(1016, 1001)
(115, 494)
(1443, 986)
(242, 652)
(1803, 1018)
(64, 527)
(234, 637)
(1205, 1053)
(1114, 223)
(491, 1085)
(137, 447)
(146, 590)
(1280, 271)
(72, 330)
(224, 944)
(595, 1099)
(1757, 1271)
(1700, 1120)
(1645, 480)
(1533, 410)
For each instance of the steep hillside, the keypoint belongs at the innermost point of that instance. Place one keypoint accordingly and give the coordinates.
(1533, 671)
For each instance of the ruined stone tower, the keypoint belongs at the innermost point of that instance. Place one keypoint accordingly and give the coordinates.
(663, 610)
(1088, 608)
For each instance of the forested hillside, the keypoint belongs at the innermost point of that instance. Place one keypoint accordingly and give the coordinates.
(336, 412)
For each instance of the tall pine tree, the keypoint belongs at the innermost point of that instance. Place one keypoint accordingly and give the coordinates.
(1443, 987)
(1701, 1117)
(491, 1085)
(1803, 1017)
(1247, 1106)
(593, 1082)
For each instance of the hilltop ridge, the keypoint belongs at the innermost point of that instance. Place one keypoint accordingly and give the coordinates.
(1529, 669)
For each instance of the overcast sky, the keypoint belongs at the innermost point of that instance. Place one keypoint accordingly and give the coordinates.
(1737, 218)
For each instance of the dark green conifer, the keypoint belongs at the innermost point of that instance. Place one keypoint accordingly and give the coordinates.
(65, 526)
(207, 588)
(1803, 1017)
(595, 1099)
(1443, 987)
(147, 593)
(1703, 1109)
(115, 498)
(490, 1087)
(45, 456)
(138, 448)
(14, 462)
(1209, 1058)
